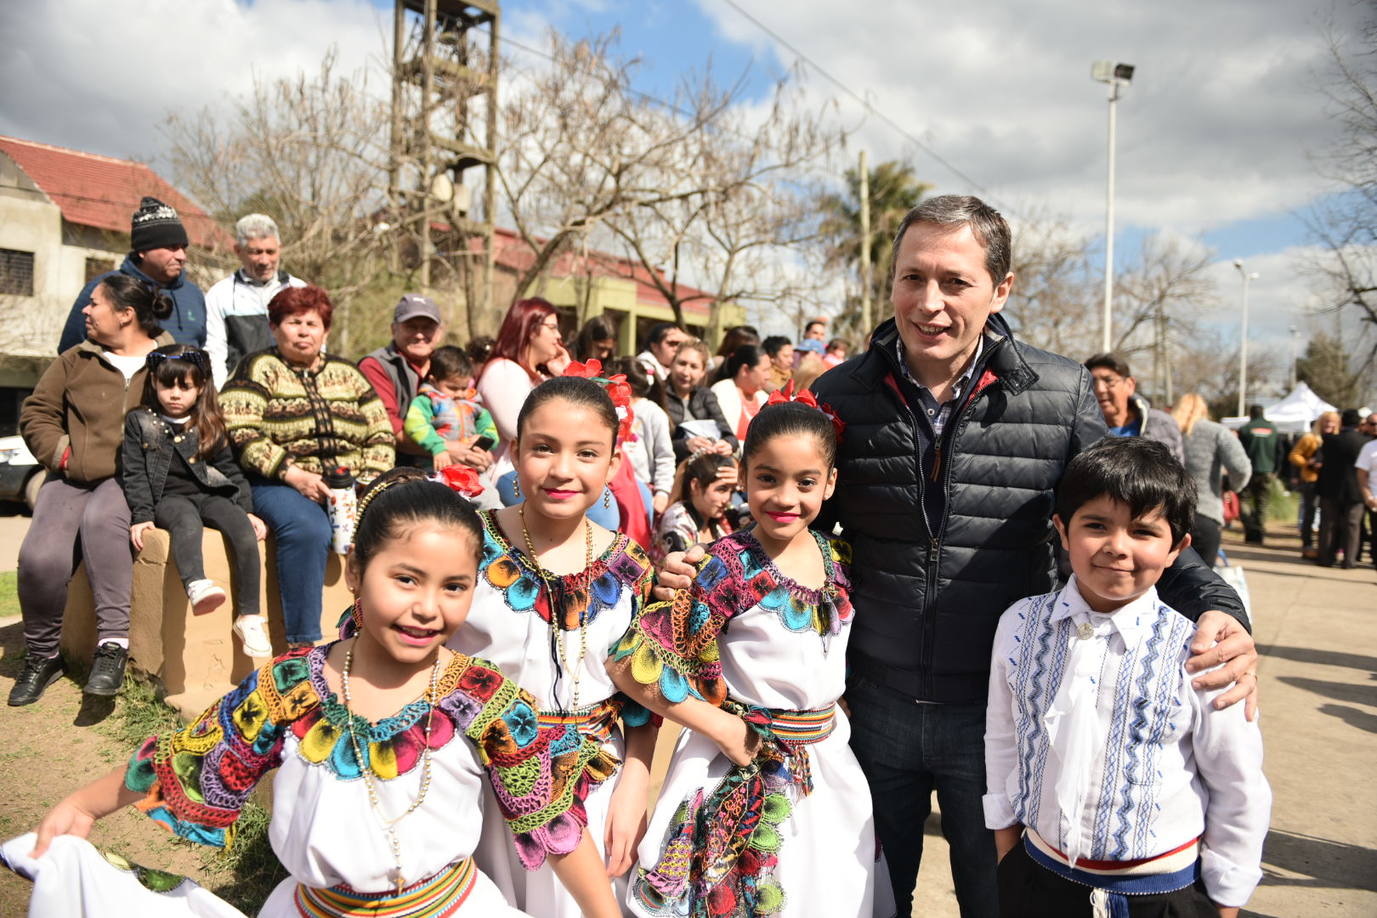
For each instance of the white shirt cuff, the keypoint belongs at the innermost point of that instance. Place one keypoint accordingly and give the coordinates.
(999, 813)
(1227, 883)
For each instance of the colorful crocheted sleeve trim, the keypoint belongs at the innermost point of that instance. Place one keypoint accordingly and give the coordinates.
(196, 780)
(673, 645)
(541, 775)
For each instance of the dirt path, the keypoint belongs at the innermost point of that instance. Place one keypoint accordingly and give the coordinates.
(43, 756)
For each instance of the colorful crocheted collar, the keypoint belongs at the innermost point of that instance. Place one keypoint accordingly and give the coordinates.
(799, 607)
(392, 746)
(581, 596)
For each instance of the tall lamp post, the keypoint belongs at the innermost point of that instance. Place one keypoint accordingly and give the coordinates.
(1115, 75)
(1243, 343)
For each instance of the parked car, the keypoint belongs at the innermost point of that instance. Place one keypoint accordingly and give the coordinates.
(20, 474)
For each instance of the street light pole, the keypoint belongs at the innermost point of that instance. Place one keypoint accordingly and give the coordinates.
(1243, 343)
(1115, 75)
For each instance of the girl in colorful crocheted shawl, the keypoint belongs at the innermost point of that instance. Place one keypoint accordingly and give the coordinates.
(555, 593)
(764, 810)
(382, 741)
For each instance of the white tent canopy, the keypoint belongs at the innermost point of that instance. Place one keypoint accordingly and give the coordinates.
(1298, 410)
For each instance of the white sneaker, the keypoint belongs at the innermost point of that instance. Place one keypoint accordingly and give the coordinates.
(205, 596)
(252, 631)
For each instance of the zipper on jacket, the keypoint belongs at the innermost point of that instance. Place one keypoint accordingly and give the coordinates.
(929, 630)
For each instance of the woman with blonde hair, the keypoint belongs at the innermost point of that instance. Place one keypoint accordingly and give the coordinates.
(1211, 449)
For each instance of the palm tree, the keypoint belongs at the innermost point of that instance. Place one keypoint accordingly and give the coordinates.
(894, 190)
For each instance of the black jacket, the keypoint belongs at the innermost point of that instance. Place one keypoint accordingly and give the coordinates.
(702, 405)
(1338, 479)
(927, 603)
(147, 453)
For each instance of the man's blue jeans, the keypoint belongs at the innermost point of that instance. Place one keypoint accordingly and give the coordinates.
(301, 529)
(907, 750)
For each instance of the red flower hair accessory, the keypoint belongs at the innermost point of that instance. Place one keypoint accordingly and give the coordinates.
(460, 478)
(806, 397)
(617, 389)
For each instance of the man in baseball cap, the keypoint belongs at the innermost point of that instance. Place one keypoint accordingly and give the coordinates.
(158, 243)
(397, 369)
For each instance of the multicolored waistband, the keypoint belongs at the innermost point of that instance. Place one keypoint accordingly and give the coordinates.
(436, 896)
(1160, 873)
(596, 721)
(803, 728)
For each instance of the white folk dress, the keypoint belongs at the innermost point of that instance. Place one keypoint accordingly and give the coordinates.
(323, 829)
(793, 833)
(510, 623)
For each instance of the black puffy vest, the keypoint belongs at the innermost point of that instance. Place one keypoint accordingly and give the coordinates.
(927, 603)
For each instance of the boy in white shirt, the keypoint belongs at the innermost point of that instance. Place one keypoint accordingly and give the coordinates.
(1114, 787)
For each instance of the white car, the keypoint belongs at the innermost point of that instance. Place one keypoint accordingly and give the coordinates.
(20, 474)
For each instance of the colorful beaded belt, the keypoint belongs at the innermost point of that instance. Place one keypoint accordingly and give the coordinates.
(803, 728)
(438, 896)
(595, 721)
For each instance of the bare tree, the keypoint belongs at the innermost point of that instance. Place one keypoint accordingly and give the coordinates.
(1346, 223)
(1052, 305)
(309, 151)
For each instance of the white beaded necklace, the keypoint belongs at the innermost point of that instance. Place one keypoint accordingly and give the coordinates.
(390, 824)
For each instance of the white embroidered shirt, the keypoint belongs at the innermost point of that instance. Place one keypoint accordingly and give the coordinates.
(1095, 738)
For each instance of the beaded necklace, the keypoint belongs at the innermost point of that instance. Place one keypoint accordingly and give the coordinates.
(555, 613)
(390, 824)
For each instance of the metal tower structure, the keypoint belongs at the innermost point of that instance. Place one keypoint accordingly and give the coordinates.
(444, 129)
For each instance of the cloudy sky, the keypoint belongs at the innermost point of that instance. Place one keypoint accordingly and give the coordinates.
(1216, 133)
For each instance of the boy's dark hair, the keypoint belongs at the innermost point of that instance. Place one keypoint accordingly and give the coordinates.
(1141, 473)
(658, 332)
(449, 362)
(790, 419)
(401, 498)
(772, 344)
(573, 389)
(1110, 362)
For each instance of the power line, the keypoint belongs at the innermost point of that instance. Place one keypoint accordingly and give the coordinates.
(868, 107)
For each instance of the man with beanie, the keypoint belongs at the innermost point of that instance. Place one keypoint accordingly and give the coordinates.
(157, 242)
(237, 307)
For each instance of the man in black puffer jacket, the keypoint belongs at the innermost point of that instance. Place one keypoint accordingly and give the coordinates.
(956, 437)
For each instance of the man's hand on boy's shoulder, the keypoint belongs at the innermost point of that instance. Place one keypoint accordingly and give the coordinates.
(1222, 641)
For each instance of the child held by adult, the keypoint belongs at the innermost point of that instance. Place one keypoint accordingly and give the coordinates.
(179, 474)
(751, 659)
(554, 593)
(382, 741)
(1114, 786)
(445, 419)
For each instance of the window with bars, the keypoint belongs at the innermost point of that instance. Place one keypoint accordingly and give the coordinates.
(16, 272)
(95, 267)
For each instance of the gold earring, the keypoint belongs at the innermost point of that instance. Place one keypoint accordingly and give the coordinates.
(357, 612)
(516, 488)
(606, 497)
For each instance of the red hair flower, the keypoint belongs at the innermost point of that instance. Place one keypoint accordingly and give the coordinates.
(806, 397)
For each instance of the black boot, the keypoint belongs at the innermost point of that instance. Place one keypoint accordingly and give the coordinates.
(107, 670)
(36, 676)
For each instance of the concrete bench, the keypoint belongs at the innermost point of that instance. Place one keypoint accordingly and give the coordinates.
(195, 658)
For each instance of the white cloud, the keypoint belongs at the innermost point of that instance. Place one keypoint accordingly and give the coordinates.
(100, 76)
(1215, 127)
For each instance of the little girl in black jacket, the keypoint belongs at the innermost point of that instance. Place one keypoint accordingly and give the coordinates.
(179, 472)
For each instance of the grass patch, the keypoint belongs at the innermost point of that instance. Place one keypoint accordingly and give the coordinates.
(243, 874)
(9, 594)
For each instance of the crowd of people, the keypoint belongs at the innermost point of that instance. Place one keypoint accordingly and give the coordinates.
(727, 539)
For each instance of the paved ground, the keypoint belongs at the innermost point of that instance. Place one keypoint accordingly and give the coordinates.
(1318, 632)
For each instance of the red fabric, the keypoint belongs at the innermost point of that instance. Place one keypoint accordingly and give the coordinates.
(635, 514)
(374, 372)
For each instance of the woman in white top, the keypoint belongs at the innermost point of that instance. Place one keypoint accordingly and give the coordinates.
(741, 391)
(529, 348)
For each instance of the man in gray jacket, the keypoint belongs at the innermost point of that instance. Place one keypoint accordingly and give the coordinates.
(1126, 413)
